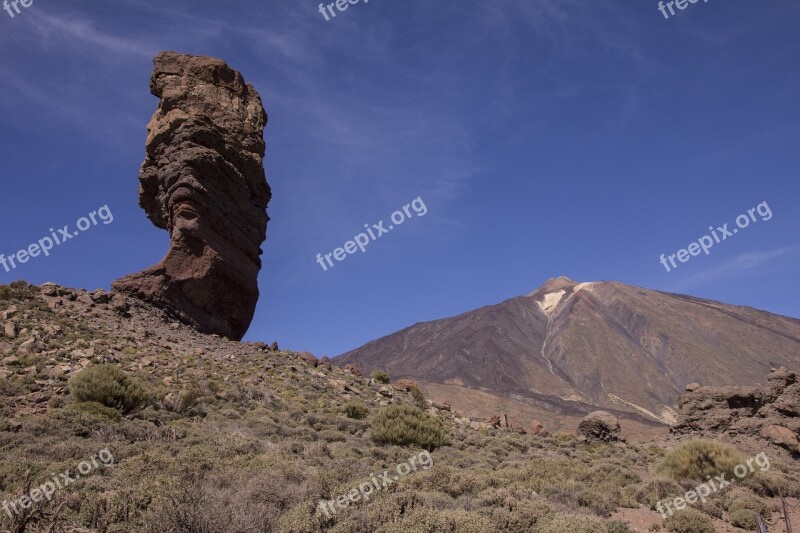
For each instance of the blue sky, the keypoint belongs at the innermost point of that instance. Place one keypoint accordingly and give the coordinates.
(546, 138)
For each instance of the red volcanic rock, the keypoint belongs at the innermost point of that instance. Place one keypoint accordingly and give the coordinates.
(308, 358)
(538, 429)
(404, 385)
(326, 363)
(353, 370)
(203, 181)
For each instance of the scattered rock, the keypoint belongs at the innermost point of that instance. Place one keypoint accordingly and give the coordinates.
(308, 358)
(781, 436)
(203, 181)
(599, 426)
(441, 406)
(353, 370)
(10, 330)
(538, 429)
(29, 347)
(386, 391)
(100, 296)
(8, 313)
(404, 384)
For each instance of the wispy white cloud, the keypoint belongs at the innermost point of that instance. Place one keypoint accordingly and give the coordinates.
(65, 29)
(735, 266)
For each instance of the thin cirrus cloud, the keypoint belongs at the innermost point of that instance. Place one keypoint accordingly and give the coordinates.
(735, 266)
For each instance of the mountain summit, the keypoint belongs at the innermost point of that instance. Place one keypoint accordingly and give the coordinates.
(568, 348)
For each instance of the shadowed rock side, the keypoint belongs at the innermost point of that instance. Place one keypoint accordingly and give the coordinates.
(203, 181)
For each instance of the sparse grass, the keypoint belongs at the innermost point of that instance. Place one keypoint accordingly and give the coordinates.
(271, 442)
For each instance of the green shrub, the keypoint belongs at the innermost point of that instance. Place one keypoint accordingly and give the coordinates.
(380, 376)
(571, 523)
(699, 459)
(618, 527)
(108, 385)
(356, 410)
(403, 425)
(743, 518)
(689, 521)
(21, 290)
(418, 397)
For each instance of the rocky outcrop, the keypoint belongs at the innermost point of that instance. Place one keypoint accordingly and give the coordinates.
(771, 412)
(598, 427)
(203, 181)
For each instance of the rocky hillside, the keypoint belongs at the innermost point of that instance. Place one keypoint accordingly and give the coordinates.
(243, 437)
(568, 348)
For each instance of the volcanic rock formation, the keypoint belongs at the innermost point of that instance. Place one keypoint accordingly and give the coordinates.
(203, 181)
(771, 412)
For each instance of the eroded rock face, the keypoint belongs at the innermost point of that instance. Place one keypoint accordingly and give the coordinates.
(771, 412)
(203, 181)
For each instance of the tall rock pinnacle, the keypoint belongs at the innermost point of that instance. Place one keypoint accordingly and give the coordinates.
(203, 181)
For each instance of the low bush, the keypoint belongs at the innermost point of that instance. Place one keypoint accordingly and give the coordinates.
(689, 521)
(356, 410)
(404, 426)
(21, 290)
(108, 385)
(380, 376)
(699, 459)
(418, 397)
(743, 518)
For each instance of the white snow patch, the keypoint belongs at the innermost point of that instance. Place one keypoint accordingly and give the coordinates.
(550, 301)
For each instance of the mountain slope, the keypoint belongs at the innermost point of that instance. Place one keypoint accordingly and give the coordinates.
(568, 348)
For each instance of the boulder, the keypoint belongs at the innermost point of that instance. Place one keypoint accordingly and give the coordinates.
(691, 387)
(781, 436)
(599, 426)
(353, 370)
(326, 363)
(404, 384)
(203, 181)
(538, 429)
(308, 358)
(440, 406)
(494, 422)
